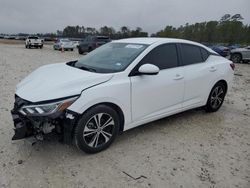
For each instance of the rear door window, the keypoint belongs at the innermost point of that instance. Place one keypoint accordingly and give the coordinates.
(191, 54)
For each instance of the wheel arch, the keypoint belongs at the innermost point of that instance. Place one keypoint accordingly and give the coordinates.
(116, 108)
(234, 53)
(216, 82)
(223, 82)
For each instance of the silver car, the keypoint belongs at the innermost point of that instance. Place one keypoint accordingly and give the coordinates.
(239, 55)
(64, 44)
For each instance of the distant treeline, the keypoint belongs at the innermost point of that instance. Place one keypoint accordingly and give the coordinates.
(228, 30)
(82, 32)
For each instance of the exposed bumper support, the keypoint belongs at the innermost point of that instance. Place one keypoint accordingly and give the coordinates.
(70, 121)
(25, 129)
(21, 129)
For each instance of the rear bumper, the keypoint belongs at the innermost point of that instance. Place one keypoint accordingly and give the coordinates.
(36, 45)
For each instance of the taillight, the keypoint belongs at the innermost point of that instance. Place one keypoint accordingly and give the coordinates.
(232, 65)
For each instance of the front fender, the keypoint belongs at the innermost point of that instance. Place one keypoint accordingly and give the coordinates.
(104, 93)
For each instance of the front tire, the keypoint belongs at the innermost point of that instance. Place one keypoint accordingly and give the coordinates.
(216, 97)
(97, 129)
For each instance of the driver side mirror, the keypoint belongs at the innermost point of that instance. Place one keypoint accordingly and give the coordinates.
(148, 69)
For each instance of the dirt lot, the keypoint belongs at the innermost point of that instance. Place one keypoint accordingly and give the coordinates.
(191, 149)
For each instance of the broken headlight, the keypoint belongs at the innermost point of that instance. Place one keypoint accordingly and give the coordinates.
(47, 109)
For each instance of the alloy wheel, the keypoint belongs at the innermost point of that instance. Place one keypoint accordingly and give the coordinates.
(217, 97)
(236, 58)
(98, 130)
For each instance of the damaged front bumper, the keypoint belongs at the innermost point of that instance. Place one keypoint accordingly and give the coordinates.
(22, 128)
(37, 127)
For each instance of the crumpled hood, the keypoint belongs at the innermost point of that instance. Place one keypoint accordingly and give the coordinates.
(57, 81)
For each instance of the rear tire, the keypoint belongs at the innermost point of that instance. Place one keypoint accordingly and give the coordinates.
(216, 97)
(97, 129)
(80, 51)
(90, 49)
(236, 58)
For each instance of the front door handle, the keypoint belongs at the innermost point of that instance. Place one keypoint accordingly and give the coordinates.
(178, 77)
(212, 69)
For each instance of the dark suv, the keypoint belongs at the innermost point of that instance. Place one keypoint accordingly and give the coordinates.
(92, 42)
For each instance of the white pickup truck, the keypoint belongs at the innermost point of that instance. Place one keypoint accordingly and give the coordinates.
(33, 41)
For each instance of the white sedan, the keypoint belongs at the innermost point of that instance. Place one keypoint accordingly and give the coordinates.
(119, 86)
(64, 44)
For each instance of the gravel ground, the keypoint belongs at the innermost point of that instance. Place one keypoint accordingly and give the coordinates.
(191, 149)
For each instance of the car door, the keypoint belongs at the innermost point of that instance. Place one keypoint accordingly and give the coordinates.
(246, 53)
(156, 95)
(199, 74)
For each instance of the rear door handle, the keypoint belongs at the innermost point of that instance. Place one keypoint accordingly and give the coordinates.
(212, 69)
(178, 77)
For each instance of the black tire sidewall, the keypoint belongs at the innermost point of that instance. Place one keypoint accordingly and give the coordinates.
(209, 107)
(78, 134)
(238, 56)
(80, 51)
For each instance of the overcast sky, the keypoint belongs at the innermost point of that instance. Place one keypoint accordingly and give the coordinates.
(39, 16)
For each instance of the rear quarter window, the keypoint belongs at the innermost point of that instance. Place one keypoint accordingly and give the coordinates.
(204, 54)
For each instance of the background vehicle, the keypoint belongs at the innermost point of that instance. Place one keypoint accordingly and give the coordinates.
(234, 46)
(76, 44)
(121, 85)
(34, 41)
(65, 44)
(240, 55)
(222, 50)
(92, 42)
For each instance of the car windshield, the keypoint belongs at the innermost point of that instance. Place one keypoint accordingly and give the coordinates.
(112, 57)
(102, 39)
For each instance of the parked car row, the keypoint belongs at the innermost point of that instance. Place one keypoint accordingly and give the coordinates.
(87, 45)
(234, 52)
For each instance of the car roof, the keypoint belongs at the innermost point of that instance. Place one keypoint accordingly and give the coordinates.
(152, 40)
